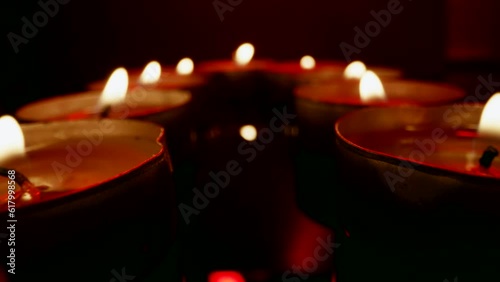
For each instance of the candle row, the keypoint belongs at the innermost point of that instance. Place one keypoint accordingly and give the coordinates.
(390, 139)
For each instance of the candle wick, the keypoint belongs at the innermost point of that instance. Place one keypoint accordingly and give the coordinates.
(105, 112)
(26, 185)
(487, 158)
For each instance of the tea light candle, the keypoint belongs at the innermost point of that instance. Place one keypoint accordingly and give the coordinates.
(121, 103)
(169, 108)
(319, 106)
(154, 75)
(428, 194)
(69, 157)
(434, 141)
(91, 180)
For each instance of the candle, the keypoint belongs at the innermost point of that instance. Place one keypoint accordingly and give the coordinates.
(429, 186)
(310, 71)
(154, 75)
(319, 106)
(168, 108)
(94, 186)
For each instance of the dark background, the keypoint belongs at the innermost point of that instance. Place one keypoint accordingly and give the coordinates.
(441, 40)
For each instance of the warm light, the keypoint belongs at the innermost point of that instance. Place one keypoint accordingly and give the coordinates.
(371, 88)
(489, 124)
(307, 63)
(151, 74)
(12, 140)
(244, 54)
(248, 132)
(116, 88)
(226, 276)
(185, 67)
(355, 70)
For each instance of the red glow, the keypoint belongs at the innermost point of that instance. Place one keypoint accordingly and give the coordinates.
(466, 133)
(226, 276)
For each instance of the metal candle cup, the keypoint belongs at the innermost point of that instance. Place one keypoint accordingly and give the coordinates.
(318, 108)
(168, 108)
(423, 196)
(109, 197)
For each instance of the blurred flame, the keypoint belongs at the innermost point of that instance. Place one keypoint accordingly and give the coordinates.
(12, 140)
(307, 62)
(248, 132)
(151, 73)
(116, 88)
(185, 67)
(244, 54)
(225, 276)
(355, 70)
(489, 125)
(371, 88)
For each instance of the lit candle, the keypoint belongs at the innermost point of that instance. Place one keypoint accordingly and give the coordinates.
(116, 99)
(153, 75)
(429, 187)
(320, 105)
(169, 108)
(84, 188)
(69, 157)
(437, 139)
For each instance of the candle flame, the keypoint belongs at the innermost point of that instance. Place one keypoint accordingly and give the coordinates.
(244, 54)
(185, 67)
(371, 88)
(151, 74)
(355, 70)
(307, 63)
(116, 88)
(12, 141)
(489, 125)
(248, 132)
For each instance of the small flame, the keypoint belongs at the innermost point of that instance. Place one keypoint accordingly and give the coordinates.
(489, 124)
(248, 132)
(371, 88)
(116, 88)
(355, 70)
(12, 140)
(307, 63)
(185, 67)
(151, 74)
(244, 54)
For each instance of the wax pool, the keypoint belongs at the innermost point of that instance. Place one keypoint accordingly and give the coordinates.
(75, 156)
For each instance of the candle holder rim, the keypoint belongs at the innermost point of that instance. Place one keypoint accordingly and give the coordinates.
(138, 169)
(396, 160)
